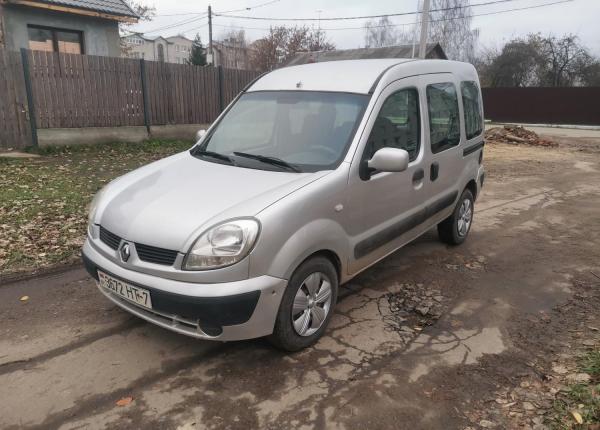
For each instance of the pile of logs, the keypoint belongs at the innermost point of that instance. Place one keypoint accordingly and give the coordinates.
(515, 135)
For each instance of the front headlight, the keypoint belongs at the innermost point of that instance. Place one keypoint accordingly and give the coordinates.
(92, 208)
(222, 245)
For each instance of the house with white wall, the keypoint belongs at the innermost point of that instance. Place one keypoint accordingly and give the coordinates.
(174, 49)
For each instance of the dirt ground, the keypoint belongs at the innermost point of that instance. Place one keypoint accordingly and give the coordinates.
(479, 336)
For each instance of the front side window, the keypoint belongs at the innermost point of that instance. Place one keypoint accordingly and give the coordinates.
(397, 125)
(55, 40)
(310, 130)
(444, 122)
(472, 108)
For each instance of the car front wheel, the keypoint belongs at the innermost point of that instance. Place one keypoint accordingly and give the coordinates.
(307, 305)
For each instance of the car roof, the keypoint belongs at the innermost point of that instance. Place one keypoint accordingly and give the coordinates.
(354, 76)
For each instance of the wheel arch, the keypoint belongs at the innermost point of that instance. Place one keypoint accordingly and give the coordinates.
(472, 186)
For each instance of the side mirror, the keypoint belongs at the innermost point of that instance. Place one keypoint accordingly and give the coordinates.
(389, 160)
(200, 133)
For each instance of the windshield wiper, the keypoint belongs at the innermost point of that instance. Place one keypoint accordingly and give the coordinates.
(269, 160)
(216, 155)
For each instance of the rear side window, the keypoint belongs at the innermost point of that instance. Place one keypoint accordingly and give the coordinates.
(444, 123)
(472, 108)
(397, 125)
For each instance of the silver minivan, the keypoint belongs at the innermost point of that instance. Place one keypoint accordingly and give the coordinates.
(311, 175)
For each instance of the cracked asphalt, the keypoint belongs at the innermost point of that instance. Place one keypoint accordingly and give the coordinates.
(420, 340)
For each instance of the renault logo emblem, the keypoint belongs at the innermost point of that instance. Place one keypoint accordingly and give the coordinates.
(125, 251)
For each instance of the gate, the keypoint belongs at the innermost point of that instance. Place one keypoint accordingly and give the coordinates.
(15, 128)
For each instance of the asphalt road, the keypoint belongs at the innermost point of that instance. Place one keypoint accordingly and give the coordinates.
(67, 355)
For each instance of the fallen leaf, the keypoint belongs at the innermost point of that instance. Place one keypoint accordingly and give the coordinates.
(124, 401)
(24, 298)
(577, 417)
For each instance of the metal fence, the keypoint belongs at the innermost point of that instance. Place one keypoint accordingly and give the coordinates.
(51, 90)
(556, 105)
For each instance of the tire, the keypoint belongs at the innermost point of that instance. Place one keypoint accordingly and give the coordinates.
(455, 229)
(307, 290)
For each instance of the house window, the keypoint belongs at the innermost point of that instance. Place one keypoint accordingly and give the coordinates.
(161, 53)
(55, 40)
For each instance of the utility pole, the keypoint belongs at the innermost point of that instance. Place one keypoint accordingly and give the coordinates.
(414, 40)
(210, 45)
(424, 28)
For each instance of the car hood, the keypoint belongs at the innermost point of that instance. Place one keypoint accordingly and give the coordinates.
(170, 202)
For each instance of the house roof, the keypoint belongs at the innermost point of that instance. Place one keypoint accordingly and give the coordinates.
(110, 7)
(434, 50)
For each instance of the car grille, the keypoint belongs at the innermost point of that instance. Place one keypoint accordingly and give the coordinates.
(147, 253)
(111, 239)
(152, 254)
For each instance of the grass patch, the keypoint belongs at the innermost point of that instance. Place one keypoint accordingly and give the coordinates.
(581, 398)
(43, 201)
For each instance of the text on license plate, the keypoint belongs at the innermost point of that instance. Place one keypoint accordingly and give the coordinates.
(127, 291)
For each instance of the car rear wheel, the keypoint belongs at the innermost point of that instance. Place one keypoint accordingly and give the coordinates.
(307, 305)
(454, 229)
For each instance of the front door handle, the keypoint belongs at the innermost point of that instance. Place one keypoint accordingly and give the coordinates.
(418, 176)
(434, 171)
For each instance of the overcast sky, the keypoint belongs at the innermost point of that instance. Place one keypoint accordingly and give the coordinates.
(581, 17)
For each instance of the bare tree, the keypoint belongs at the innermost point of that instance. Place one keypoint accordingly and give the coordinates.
(451, 26)
(382, 32)
(268, 51)
(145, 13)
(539, 61)
(515, 65)
(282, 43)
(590, 74)
(317, 41)
(237, 44)
(564, 58)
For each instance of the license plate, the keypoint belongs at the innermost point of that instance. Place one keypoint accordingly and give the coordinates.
(129, 292)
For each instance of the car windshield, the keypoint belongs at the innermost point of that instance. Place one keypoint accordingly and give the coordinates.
(285, 130)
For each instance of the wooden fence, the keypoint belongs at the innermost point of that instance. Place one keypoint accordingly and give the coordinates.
(77, 91)
(15, 130)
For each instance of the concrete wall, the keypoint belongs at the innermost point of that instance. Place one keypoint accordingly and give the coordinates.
(100, 36)
(94, 135)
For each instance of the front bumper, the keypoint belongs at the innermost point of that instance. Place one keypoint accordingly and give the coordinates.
(220, 311)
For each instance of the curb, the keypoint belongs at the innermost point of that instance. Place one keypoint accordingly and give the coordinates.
(58, 269)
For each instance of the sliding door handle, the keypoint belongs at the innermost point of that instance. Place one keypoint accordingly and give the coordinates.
(434, 171)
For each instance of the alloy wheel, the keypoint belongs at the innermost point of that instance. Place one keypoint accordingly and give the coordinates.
(312, 304)
(465, 215)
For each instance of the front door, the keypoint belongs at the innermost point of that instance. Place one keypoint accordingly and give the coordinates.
(384, 209)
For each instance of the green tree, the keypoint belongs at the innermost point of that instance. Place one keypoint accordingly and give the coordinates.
(198, 53)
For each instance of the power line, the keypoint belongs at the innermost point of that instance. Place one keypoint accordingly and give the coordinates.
(364, 16)
(417, 22)
(198, 18)
(249, 8)
(169, 26)
(223, 11)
